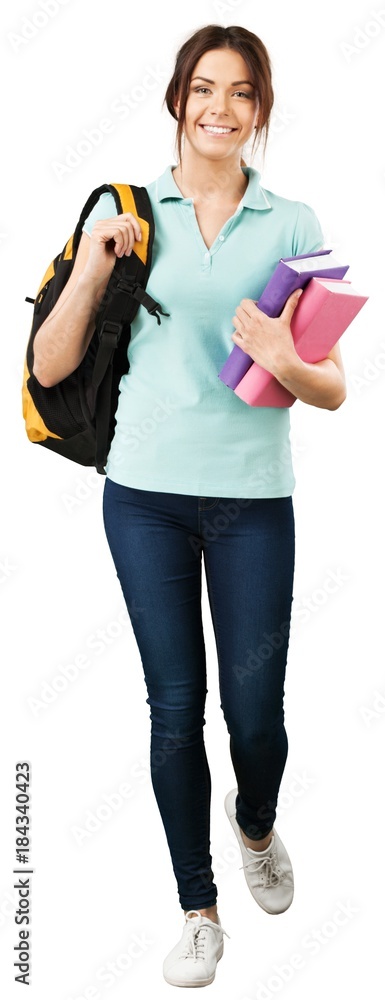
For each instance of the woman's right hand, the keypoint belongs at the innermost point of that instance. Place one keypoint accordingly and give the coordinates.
(111, 238)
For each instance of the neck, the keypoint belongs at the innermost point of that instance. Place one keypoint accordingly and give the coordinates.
(210, 180)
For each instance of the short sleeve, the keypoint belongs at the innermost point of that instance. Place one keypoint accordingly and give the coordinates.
(105, 208)
(308, 236)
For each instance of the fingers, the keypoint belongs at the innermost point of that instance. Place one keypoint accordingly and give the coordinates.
(290, 305)
(130, 218)
(246, 308)
(243, 314)
(124, 230)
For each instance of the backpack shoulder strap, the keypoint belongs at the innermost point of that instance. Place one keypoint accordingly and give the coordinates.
(135, 200)
(126, 288)
(124, 293)
(127, 199)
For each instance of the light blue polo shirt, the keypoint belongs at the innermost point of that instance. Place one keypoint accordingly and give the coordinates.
(179, 428)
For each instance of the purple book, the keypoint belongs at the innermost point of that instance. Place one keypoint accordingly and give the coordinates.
(287, 277)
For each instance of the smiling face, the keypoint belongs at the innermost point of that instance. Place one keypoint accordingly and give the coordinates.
(222, 105)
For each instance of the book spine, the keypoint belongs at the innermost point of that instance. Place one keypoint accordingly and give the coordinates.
(260, 388)
(235, 367)
(282, 282)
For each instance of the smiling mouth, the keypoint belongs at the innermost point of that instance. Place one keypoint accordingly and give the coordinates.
(217, 129)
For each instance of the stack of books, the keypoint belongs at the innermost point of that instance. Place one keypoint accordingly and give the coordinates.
(325, 310)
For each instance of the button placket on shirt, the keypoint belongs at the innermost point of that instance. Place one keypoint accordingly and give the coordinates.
(206, 261)
(225, 232)
(207, 256)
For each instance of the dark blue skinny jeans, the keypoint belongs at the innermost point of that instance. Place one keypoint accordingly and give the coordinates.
(156, 541)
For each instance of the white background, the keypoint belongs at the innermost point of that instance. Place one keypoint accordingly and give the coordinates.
(92, 893)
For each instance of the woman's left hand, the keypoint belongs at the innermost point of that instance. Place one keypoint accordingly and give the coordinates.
(268, 341)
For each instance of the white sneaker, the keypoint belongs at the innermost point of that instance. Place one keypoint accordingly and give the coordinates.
(268, 876)
(194, 959)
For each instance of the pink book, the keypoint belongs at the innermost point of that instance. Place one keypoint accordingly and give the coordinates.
(325, 310)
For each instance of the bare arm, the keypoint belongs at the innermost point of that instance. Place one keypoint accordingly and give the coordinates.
(321, 383)
(62, 340)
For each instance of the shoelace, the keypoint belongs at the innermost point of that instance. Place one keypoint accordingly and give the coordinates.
(195, 942)
(267, 868)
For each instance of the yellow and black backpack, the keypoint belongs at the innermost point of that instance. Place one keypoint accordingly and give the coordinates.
(76, 417)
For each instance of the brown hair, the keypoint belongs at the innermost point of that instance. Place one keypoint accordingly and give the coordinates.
(214, 36)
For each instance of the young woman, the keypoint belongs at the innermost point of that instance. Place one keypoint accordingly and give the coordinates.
(212, 476)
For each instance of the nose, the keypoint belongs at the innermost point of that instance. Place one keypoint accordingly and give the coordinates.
(219, 104)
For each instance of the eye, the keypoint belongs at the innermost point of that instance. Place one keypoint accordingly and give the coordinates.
(238, 93)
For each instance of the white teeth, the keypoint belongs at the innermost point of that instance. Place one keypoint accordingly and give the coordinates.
(216, 129)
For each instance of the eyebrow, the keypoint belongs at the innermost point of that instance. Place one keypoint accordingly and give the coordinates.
(235, 84)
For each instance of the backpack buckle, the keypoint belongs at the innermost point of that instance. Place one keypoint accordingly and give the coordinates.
(111, 332)
(127, 285)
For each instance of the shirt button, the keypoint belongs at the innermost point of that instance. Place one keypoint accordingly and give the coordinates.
(221, 238)
(207, 256)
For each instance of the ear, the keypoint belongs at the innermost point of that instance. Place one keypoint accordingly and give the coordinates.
(176, 108)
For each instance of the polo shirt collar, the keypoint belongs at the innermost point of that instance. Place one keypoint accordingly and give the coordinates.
(254, 196)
